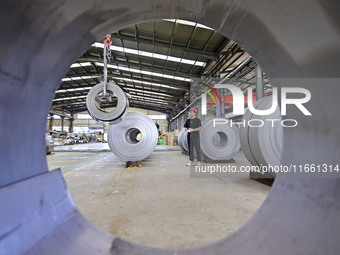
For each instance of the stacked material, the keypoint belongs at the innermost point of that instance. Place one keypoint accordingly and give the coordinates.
(134, 138)
(262, 145)
(219, 139)
(96, 96)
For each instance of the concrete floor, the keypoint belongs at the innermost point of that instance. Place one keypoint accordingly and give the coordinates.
(158, 204)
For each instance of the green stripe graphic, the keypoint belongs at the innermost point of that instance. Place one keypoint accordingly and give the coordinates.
(209, 94)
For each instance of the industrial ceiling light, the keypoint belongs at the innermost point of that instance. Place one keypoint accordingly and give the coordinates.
(152, 55)
(128, 69)
(149, 92)
(188, 23)
(144, 82)
(79, 78)
(153, 99)
(81, 64)
(67, 98)
(72, 90)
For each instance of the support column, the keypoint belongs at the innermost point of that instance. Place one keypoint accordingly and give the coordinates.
(259, 83)
(203, 107)
(106, 127)
(70, 128)
(51, 122)
(222, 94)
(218, 109)
(179, 122)
(62, 123)
(202, 118)
(199, 112)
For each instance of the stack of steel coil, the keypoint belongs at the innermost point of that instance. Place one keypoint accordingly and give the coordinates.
(134, 138)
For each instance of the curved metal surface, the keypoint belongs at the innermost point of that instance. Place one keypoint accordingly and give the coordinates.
(182, 140)
(244, 135)
(219, 142)
(269, 137)
(297, 43)
(123, 137)
(117, 113)
(262, 145)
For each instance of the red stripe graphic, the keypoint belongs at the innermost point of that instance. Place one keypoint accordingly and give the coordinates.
(213, 90)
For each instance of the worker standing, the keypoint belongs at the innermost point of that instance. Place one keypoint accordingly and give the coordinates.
(193, 126)
(158, 128)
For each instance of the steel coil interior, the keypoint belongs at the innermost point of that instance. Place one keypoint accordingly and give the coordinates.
(134, 138)
(220, 141)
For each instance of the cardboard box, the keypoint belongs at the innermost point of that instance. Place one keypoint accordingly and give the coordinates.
(171, 140)
(172, 143)
(176, 132)
(165, 140)
(176, 140)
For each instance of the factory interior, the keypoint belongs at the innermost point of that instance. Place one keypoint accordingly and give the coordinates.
(170, 127)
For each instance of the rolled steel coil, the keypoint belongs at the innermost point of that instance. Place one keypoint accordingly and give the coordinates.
(262, 145)
(219, 142)
(134, 138)
(92, 103)
(182, 140)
